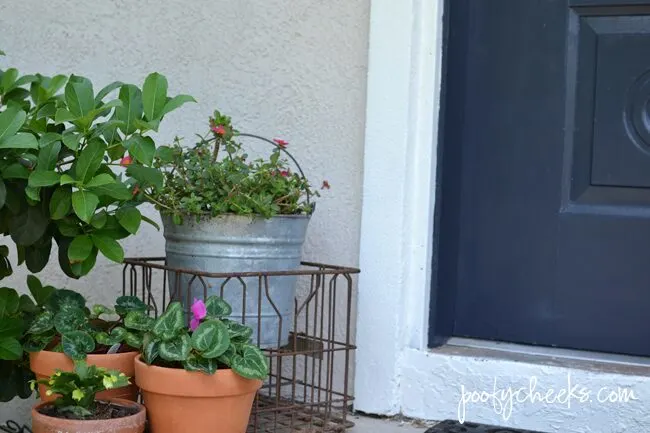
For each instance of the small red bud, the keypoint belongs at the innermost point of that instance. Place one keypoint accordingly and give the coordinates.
(127, 160)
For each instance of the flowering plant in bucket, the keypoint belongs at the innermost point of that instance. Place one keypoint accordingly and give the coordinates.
(215, 177)
(212, 341)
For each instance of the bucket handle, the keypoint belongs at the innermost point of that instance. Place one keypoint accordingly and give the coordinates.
(282, 149)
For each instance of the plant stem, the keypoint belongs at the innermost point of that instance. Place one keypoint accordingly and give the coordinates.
(215, 152)
(153, 200)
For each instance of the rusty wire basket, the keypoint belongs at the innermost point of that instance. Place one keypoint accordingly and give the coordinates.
(308, 386)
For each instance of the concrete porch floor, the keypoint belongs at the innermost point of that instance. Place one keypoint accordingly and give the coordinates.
(366, 424)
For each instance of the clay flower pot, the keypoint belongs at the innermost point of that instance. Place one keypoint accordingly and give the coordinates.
(128, 424)
(45, 363)
(184, 401)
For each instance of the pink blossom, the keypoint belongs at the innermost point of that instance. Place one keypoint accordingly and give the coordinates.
(127, 160)
(219, 130)
(282, 143)
(199, 311)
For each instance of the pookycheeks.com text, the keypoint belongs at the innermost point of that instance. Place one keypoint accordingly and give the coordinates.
(505, 399)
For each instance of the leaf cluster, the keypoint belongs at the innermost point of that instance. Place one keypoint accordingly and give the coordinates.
(59, 320)
(76, 390)
(61, 143)
(67, 325)
(217, 342)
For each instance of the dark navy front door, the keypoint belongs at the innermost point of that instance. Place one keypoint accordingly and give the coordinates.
(544, 235)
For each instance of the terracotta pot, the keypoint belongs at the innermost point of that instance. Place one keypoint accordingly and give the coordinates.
(45, 363)
(129, 424)
(183, 401)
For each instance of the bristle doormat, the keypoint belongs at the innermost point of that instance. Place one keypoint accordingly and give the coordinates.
(469, 427)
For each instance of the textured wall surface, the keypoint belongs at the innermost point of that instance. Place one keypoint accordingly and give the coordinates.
(292, 69)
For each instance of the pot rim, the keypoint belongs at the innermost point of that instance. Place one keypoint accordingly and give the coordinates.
(53, 353)
(252, 216)
(118, 401)
(138, 360)
(41, 362)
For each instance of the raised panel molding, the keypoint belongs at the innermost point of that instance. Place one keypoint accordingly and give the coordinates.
(608, 114)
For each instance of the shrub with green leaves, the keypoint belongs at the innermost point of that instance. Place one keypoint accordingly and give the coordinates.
(213, 341)
(61, 147)
(215, 177)
(76, 390)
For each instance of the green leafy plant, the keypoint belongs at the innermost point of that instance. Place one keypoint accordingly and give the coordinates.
(17, 314)
(76, 390)
(61, 147)
(67, 325)
(16, 311)
(215, 177)
(211, 342)
(59, 320)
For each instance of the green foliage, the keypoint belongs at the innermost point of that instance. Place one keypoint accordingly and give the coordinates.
(61, 144)
(215, 177)
(60, 320)
(16, 314)
(216, 342)
(80, 330)
(76, 390)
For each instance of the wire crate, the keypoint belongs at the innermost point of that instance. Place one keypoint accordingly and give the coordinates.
(308, 388)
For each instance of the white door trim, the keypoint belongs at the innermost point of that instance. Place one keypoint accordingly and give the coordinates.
(405, 57)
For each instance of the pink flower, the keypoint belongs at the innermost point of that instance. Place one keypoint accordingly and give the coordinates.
(284, 173)
(219, 130)
(199, 311)
(282, 143)
(326, 185)
(127, 160)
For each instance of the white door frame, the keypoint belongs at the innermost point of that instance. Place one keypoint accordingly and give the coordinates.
(405, 58)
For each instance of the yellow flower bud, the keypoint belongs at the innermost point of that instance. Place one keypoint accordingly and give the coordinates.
(77, 394)
(108, 383)
(48, 392)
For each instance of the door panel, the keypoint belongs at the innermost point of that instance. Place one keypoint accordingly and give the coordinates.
(547, 216)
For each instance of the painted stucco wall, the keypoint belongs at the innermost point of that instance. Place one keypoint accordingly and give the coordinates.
(292, 69)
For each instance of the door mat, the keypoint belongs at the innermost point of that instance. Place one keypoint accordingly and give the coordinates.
(449, 426)
(13, 427)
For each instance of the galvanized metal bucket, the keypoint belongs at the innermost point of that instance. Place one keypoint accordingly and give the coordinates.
(234, 243)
